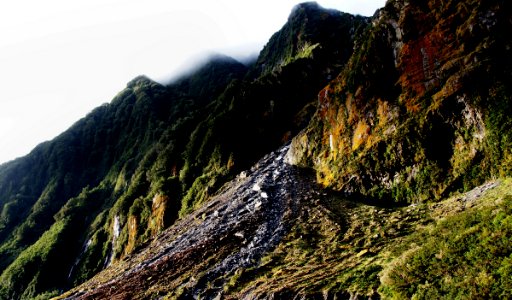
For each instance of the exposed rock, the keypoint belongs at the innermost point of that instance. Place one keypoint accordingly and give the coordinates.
(412, 116)
(259, 230)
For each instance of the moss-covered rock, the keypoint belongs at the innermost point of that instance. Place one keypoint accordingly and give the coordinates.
(417, 112)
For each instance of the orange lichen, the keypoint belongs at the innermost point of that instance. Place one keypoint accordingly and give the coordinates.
(421, 61)
(451, 86)
(324, 176)
(371, 140)
(360, 134)
(158, 210)
(383, 112)
(231, 162)
(352, 112)
(132, 234)
(323, 101)
(174, 170)
(412, 105)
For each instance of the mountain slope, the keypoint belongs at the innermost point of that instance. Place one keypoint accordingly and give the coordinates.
(131, 168)
(300, 241)
(200, 253)
(162, 192)
(419, 114)
(421, 110)
(72, 182)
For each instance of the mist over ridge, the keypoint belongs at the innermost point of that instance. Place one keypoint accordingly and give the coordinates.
(52, 54)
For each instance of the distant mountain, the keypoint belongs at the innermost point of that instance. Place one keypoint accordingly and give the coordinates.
(355, 158)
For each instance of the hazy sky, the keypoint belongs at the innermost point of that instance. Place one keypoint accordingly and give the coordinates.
(59, 58)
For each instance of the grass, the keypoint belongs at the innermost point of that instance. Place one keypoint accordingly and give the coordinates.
(458, 248)
(335, 247)
(463, 255)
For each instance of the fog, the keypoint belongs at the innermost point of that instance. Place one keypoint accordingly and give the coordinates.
(59, 59)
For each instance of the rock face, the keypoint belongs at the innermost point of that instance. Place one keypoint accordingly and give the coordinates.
(420, 109)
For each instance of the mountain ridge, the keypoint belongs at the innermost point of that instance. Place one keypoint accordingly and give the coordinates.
(393, 180)
(132, 167)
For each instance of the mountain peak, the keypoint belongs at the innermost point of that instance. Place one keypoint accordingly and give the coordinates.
(139, 81)
(203, 81)
(304, 6)
(312, 8)
(311, 30)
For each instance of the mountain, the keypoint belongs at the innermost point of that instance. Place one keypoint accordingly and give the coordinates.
(355, 158)
(132, 167)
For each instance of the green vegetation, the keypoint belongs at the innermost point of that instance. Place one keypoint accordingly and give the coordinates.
(108, 165)
(412, 118)
(455, 248)
(20, 274)
(464, 255)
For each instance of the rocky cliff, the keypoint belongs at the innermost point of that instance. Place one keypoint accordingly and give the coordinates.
(421, 109)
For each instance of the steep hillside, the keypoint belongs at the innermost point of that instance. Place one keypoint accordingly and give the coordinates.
(64, 194)
(407, 145)
(199, 254)
(391, 177)
(422, 109)
(132, 167)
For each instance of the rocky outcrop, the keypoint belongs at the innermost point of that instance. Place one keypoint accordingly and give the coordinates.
(417, 112)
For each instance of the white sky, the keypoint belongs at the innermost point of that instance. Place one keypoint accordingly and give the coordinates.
(61, 58)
